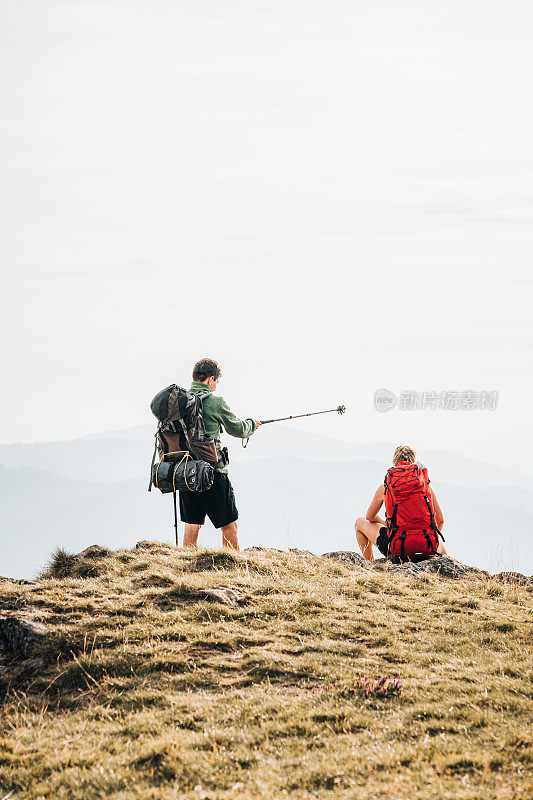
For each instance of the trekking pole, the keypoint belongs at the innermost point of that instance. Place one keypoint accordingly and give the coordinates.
(339, 410)
(175, 517)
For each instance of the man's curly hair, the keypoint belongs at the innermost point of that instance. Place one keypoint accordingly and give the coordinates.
(205, 368)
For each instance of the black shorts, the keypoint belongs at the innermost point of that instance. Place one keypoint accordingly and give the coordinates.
(382, 542)
(218, 503)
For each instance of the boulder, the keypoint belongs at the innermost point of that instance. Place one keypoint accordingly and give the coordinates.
(514, 577)
(225, 595)
(445, 566)
(147, 544)
(94, 551)
(350, 558)
(19, 581)
(21, 634)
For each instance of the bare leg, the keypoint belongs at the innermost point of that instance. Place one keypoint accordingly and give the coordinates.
(190, 537)
(442, 549)
(229, 536)
(367, 533)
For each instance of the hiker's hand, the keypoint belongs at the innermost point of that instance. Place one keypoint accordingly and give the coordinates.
(257, 423)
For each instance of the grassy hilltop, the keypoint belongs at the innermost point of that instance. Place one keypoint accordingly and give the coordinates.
(311, 679)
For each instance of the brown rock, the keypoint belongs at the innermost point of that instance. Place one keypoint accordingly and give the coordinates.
(21, 634)
(350, 558)
(225, 595)
(445, 566)
(146, 544)
(20, 581)
(94, 551)
(514, 577)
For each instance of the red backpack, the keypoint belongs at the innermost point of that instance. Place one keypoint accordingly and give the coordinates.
(411, 528)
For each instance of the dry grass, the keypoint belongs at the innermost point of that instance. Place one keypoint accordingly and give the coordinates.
(328, 683)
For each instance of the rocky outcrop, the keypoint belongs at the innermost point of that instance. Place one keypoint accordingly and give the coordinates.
(350, 558)
(444, 566)
(94, 551)
(147, 544)
(21, 634)
(514, 577)
(19, 581)
(225, 595)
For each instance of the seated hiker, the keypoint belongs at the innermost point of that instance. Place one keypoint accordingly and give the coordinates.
(218, 502)
(414, 519)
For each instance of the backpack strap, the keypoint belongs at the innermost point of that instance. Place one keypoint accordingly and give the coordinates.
(392, 524)
(153, 460)
(432, 517)
(402, 544)
(176, 416)
(199, 396)
(175, 513)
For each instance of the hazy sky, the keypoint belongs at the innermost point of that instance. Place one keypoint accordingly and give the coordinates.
(327, 197)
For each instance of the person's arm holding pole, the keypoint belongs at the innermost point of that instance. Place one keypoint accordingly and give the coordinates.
(240, 428)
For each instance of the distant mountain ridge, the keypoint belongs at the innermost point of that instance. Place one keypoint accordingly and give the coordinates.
(283, 502)
(294, 489)
(119, 455)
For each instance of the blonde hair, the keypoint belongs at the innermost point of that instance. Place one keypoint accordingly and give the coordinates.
(404, 453)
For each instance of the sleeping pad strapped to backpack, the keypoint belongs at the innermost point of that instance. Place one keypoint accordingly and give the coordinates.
(186, 455)
(411, 529)
(170, 476)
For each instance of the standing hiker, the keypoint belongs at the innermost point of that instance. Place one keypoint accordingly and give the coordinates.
(218, 502)
(414, 519)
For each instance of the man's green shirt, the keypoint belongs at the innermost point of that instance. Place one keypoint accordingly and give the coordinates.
(218, 414)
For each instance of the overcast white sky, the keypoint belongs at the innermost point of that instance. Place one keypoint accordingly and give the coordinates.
(327, 197)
